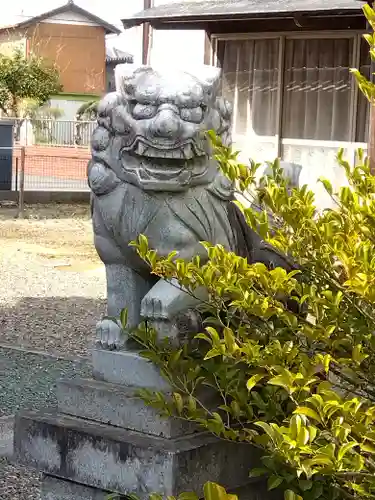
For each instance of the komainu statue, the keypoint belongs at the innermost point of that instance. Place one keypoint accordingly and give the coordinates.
(152, 173)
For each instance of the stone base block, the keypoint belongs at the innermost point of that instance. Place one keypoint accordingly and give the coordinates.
(58, 489)
(6, 436)
(127, 368)
(116, 405)
(114, 459)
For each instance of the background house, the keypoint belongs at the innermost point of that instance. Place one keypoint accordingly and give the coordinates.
(115, 56)
(72, 38)
(286, 67)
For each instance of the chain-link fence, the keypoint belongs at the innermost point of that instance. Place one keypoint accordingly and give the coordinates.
(38, 168)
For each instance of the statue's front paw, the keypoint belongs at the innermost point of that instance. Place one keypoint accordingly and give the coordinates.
(153, 308)
(109, 335)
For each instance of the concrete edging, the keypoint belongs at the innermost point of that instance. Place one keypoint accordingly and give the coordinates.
(6, 436)
(43, 197)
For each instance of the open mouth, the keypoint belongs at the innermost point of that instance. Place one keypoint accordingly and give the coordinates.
(186, 151)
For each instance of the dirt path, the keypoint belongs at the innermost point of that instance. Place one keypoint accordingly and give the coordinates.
(53, 285)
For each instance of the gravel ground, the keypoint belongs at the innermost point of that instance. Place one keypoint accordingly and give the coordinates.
(52, 293)
(52, 283)
(18, 483)
(28, 381)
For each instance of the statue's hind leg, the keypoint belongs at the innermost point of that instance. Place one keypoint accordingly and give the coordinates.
(125, 288)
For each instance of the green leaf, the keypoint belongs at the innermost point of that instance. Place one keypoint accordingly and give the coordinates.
(308, 412)
(289, 495)
(257, 472)
(253, 381)
(212, 353)
(305, 484)
(282, 381)
(303, 437)
(179, 402)
(188, 496)
(367, 448)
(155, 496)
(327, 185)
(267, 429)
(273, 482)
(343, 450)
(213, 491)
(124, 318)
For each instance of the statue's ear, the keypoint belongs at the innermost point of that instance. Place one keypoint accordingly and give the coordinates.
(210, 80)
(124, 78)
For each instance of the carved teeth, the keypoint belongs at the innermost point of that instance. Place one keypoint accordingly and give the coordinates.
(186, 152)
(177, 154)
(141, 148)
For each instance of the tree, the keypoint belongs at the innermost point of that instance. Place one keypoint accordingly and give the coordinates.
(88, 111)
(24, 79)
(299, 386)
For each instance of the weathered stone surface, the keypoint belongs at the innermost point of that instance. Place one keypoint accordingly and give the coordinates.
(153, 173)
(127, 368)
(59, 489)
(114, 459)
(6, 436)
(115, 405)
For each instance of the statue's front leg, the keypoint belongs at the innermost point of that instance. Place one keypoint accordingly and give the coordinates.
(125, 289)
(164, 304)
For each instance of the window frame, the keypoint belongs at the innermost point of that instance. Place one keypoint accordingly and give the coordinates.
(356, 35)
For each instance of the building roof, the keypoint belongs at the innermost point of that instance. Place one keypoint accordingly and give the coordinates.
(114, 55)
(70, 6)
(191, 11)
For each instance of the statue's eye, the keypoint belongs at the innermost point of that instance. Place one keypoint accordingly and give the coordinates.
(144, 111)
(193, 115)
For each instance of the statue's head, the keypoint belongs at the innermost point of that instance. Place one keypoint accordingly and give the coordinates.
(166, 111)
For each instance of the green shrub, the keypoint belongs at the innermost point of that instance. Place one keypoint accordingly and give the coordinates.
(299, 386)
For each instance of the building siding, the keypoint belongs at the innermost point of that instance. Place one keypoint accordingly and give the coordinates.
(11, 41)
(77, 50)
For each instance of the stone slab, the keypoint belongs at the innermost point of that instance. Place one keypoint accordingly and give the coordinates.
(6, 436)
(54, 488)
(115, 405)
(127, 368)
(114, 459)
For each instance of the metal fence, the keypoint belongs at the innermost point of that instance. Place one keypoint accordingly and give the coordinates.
(37, 168)
(49, 132)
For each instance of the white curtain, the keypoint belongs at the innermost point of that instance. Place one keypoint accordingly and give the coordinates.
(363, 112)
(250, 76)
(317, 89)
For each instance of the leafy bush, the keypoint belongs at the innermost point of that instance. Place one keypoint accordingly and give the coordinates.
(299, 386)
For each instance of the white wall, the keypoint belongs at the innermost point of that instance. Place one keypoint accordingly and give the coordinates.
(172, 46)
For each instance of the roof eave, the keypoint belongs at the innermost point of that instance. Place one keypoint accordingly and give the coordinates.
(176, 21)
(109, 28)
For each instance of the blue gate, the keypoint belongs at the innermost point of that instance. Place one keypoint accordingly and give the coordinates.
(6, 154)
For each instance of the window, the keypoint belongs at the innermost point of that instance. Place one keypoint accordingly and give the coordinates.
(317, 100)
(363, 112)
(317, 89)
(250, 76)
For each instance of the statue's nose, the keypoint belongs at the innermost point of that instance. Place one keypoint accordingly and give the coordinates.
(166, 124)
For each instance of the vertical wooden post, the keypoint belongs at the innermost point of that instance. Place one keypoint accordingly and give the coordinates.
(21, 194)
(147, 4)
(371, 139)
(371, 134)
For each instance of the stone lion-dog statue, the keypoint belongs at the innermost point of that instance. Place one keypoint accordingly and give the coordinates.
(152, 173)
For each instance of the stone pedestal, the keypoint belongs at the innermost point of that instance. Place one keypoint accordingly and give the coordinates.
(103, 439)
